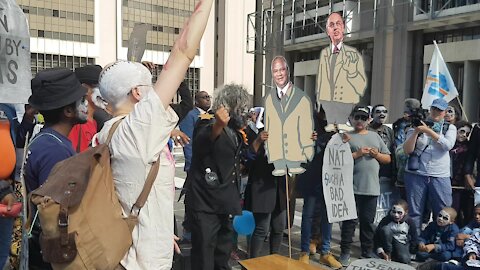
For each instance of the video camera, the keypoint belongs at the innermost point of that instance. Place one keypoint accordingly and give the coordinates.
(419, 115)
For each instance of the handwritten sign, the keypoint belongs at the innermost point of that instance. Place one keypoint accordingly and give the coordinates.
(337, 181)
(15, 74)
(388, 196)
(370, 264)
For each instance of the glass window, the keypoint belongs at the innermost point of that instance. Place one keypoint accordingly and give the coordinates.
(41, 33)
(55, 13)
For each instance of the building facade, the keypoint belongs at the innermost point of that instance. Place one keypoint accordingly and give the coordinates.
(74, 33)
(395, 39)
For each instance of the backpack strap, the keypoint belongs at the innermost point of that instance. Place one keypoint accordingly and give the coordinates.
(147, 187)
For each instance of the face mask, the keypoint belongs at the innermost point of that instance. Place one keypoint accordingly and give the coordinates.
(463, 133)
(397, 213)
(81, 107)
(380, 115)
(443, 218)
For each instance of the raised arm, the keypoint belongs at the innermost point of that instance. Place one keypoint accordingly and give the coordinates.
(183, 53)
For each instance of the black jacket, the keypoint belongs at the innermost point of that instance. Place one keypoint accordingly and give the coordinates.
(411, 235)
(264, 191)
(222, 156)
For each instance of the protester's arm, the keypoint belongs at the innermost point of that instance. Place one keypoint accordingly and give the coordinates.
(183, 53)
(7, 196)
(448, 141)
(472, 245)
(448, 245)
(221, 120)
(382, 155)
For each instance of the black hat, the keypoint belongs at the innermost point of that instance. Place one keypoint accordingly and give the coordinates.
(359, 110)
(88, 74)
(54, 88)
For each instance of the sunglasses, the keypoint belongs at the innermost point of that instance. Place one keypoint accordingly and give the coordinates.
(360, 117)
(381, 111)
(205, 97)
(446, 218)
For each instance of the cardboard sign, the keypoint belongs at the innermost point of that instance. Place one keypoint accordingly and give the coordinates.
(370, 264)
(388, 195)
(337, 181)
(15, 74)
(137, 42)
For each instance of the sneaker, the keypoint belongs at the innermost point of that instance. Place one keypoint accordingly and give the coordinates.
(304, 258)
(313, 246)
(368, 255)
(344, 259)
(329, 260)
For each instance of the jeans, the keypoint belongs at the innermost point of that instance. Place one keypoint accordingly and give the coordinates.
(438, 256)
(6, 228)
(311, 204)
(366, 210)
(419, 189)
(399, 252)
(263, 221)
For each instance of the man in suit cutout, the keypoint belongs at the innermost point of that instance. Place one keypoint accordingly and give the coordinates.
(289, 122)
(341, 78)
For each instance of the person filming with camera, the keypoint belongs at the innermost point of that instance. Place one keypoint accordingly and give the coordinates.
(427, 174)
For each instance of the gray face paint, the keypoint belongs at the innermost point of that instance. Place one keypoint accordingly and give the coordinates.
(397, 213)
(449, 113)
(81, 107)
(380, 115)
(463, 133)
(443, 218)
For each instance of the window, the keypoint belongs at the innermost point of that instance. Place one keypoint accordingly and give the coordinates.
(41, 33)
(55, 13)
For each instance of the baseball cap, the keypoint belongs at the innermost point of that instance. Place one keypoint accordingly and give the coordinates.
(361, 110)
(440, 104)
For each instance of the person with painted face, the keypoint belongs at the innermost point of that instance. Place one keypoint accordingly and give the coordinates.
(462, 199)
(213, 182)
(428, 178)
(379, 118)
(368, 151)
(452, 115)
(396, 236)
(437, 241)
(61, 99)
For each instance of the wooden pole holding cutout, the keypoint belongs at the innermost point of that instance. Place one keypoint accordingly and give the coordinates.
(288, 218)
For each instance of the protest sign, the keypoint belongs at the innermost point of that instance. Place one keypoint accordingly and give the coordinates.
(337, 181)
(388, 196)
(15, 74)
(370, 264)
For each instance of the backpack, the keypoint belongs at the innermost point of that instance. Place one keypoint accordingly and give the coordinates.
(80, 214)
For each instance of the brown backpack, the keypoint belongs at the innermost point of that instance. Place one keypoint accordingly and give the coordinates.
(80, 214)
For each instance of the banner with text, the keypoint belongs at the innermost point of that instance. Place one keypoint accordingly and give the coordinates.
(15, 73)
(337, 181)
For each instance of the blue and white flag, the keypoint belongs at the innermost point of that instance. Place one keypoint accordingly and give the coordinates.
(439, 83)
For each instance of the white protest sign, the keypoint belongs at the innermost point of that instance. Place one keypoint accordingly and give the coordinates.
(370, 264)
(15, 74)
(337, 181)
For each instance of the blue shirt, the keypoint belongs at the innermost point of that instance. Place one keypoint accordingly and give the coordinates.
(187, 125)
(45, 150)
(435, 160)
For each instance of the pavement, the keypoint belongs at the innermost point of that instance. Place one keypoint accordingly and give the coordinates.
(179, 209)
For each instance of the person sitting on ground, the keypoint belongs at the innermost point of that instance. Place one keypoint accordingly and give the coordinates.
(437, 241)
(396, 236)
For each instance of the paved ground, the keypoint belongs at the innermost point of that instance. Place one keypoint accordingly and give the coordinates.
(295, 231)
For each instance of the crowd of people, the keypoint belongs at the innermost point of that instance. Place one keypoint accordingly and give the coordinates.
(429, 157)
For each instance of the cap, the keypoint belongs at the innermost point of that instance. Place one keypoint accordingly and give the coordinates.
(358, 110)
(440, 104)
(54, 88)
(88, 74)
(118, 78)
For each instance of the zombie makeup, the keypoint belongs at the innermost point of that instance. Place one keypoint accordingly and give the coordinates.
(449, 114)
(463, 133)
(380, 115)
(443, 218)
(397, 212)
(81, 106)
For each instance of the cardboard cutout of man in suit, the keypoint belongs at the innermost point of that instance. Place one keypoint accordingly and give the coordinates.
(341, 78)
(289, 122)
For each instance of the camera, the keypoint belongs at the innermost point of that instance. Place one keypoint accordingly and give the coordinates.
(419, 115)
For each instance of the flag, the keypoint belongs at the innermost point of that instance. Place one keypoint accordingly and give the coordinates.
(439, 83)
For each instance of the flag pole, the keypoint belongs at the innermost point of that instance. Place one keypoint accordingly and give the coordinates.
(463, 109)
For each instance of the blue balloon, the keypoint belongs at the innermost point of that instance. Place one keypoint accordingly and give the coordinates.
(245, 223)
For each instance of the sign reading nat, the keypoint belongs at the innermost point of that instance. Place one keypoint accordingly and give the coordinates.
(15, 74)
(337, 181)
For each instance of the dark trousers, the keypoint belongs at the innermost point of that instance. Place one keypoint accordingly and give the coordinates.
(263, 223)
(438, 256)
(366, 210)
(399, 252)
(212, 236)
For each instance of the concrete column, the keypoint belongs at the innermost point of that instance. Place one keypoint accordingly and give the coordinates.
(471, 90)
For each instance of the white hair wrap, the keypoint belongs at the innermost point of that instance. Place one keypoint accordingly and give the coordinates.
(118, 78)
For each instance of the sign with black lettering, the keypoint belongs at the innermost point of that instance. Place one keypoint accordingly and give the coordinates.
(378, 264)
(15, 74)
(337, 181)
(388, 195)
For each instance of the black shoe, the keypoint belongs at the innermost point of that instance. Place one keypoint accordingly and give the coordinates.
(368, 255)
